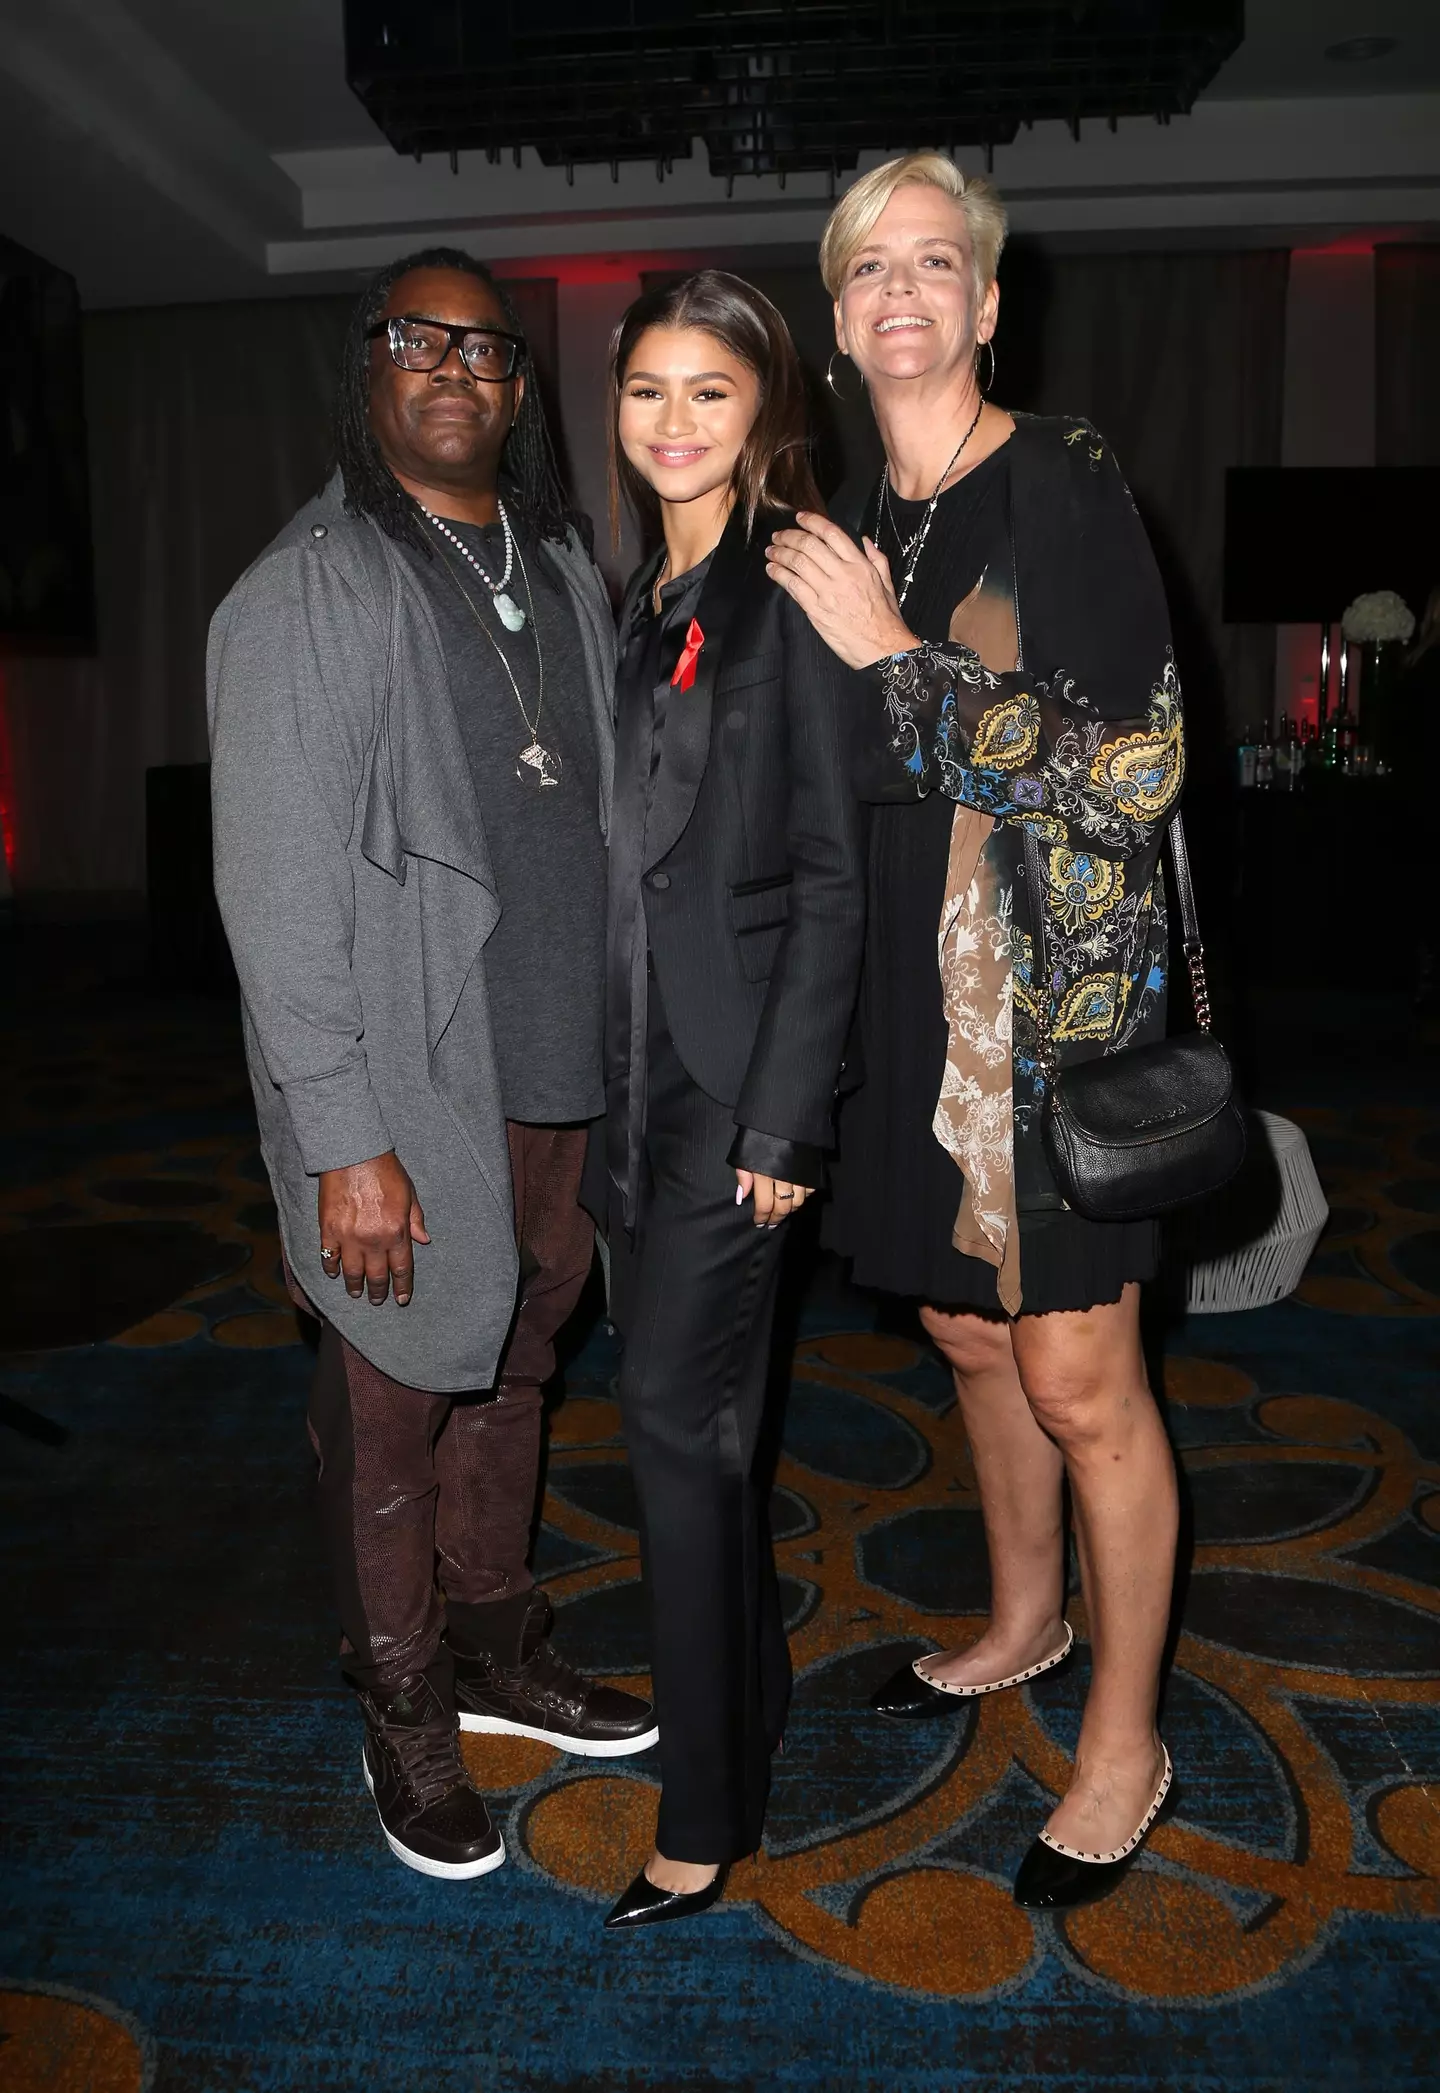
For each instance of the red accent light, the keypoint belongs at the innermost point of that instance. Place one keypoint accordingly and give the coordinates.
(1350, 243)
(604, 268)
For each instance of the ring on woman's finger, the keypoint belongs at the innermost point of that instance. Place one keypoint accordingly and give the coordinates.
(328, 1253)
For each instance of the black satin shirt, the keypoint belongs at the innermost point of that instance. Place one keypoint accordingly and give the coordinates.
(650, 647)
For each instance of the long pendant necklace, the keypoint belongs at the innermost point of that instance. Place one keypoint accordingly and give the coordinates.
(506, 608)
(912, 547)
(535, 764)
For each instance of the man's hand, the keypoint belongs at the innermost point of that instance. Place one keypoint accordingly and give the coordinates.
(775, 1198)
(845, 592)
(369, 1217)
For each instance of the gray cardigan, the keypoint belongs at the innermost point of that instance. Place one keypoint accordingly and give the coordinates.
(357, 893)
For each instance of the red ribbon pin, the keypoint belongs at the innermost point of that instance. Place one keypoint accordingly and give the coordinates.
(684, 674)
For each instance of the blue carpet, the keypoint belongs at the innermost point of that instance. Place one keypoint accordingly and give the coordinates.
(194, 1893)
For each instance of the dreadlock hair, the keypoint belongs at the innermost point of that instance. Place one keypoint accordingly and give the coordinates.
(528, 471)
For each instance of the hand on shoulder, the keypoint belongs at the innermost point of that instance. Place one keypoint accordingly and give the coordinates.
(844, 589)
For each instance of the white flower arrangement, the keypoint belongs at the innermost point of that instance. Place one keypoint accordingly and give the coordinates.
(1374, 619)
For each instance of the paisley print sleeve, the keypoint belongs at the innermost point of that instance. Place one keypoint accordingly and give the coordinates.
(1019, 747)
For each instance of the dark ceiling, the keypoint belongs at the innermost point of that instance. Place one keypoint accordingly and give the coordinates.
(769, 86)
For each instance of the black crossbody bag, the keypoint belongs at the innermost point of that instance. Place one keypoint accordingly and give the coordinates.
(1134, 1133)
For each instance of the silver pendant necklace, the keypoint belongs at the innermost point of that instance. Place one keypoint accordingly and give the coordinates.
(535, 765)
(912, 547)
(506, 608)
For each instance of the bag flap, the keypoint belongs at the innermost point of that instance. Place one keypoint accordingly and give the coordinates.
(1146, 1093)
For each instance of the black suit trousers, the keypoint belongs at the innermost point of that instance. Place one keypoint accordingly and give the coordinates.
(693, 1387)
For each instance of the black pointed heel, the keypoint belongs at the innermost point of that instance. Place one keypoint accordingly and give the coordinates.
(910, 1697)
(1053, 1877)
(645, 1904)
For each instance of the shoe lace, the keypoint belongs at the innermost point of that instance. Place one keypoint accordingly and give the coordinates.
(429, 1760)
(548, 1679)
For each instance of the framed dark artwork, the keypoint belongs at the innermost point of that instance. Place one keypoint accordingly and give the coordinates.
(47, 591)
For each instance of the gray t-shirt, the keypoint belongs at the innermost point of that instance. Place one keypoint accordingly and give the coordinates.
(545, 959)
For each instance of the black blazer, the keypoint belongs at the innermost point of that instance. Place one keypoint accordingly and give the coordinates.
(752, 869)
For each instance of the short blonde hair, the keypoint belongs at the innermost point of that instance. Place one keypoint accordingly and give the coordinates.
(853, 218)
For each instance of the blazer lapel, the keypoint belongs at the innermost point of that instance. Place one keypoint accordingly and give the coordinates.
(688, 712)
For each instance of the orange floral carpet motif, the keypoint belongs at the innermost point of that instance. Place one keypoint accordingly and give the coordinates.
(904, 1894)
(194, 1893)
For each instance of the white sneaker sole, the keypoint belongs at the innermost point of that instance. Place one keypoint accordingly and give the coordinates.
(582, 1747)
(446, 1870)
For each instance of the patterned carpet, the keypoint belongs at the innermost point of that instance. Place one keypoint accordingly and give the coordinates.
(195, 1895)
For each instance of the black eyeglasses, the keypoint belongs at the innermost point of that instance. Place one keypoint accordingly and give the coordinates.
(418, 344)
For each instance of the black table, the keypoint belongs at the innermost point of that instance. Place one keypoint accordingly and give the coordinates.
(187, 939)
(1319, 883)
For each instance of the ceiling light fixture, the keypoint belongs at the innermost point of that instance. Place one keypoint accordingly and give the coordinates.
(769, 87)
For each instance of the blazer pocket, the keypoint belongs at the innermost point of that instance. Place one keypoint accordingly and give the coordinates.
(759, 668)
(759, 911)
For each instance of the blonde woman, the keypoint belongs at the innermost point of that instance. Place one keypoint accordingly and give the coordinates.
(1005, 604)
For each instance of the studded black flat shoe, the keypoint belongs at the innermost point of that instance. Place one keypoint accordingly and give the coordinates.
(1055, 1877)
(645, 1904)
(911, 1696)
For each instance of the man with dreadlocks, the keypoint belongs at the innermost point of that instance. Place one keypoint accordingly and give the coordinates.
(410, 713)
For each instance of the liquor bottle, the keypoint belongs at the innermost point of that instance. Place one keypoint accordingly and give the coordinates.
(1289, 755)
(1340, 738)
(1246, 758)
(1265, 759)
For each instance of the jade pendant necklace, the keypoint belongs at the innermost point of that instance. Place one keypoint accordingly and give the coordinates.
(506, 608)
(535, 765)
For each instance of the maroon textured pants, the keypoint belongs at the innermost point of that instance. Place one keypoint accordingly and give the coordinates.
(412, 1482)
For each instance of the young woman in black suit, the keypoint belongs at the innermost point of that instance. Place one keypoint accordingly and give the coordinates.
(735, 932)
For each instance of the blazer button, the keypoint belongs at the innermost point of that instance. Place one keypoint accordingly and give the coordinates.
(317, 530)
(660, 881)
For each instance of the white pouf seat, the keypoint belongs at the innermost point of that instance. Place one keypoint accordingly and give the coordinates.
(1250, 1244)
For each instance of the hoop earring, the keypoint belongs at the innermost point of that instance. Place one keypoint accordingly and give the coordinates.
(845, 401)
(985, 388)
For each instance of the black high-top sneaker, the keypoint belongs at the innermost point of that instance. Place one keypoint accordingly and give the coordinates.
(432, 1817)
(528, 1690)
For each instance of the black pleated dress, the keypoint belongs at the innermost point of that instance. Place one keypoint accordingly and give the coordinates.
(896, 1191)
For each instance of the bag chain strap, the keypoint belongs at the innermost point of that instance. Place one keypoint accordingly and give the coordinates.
(1192, 946)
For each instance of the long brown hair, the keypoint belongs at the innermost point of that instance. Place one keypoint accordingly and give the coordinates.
(773, 468)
